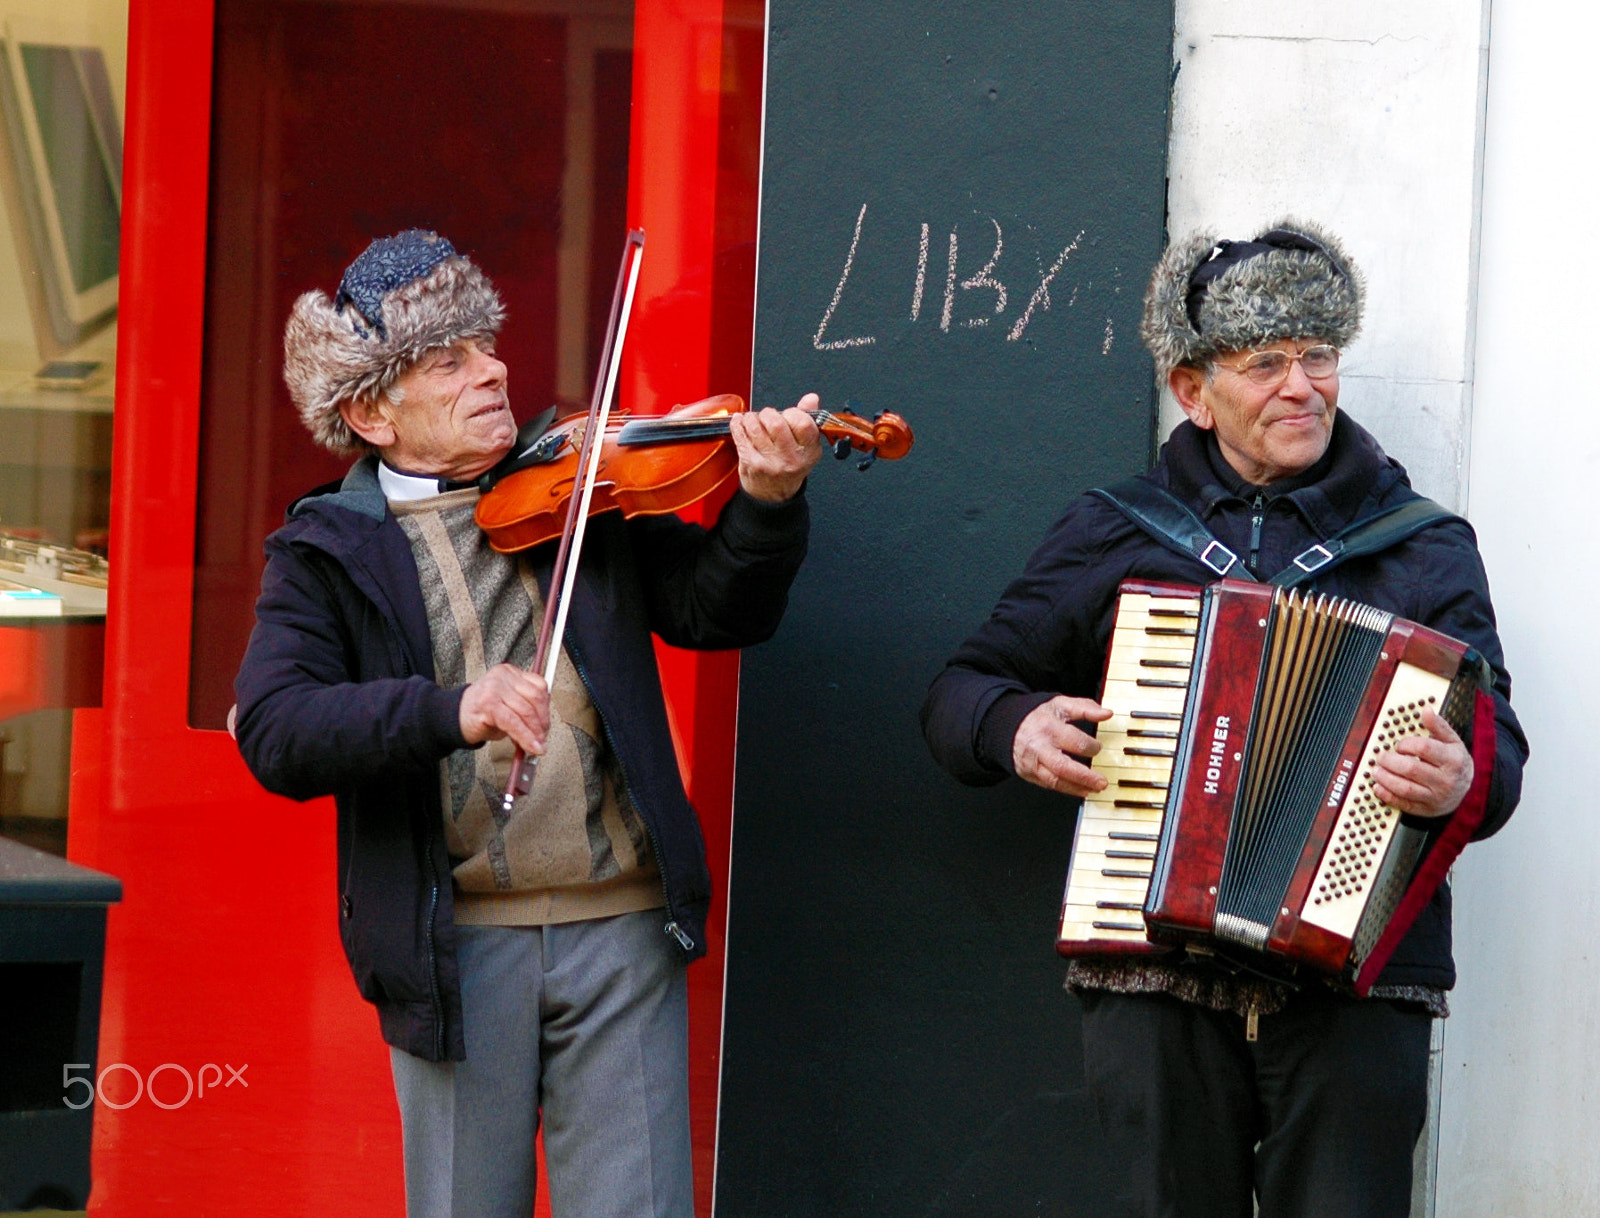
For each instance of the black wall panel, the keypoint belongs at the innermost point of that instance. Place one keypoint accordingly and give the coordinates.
(961, 204)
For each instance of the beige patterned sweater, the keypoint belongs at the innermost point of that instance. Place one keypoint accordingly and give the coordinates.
(572, 848)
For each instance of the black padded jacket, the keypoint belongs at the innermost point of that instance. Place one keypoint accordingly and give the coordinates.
(1050, 630)
(336, 697)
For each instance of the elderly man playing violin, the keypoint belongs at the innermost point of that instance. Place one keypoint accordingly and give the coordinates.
(1222, 1087)
(525, 962)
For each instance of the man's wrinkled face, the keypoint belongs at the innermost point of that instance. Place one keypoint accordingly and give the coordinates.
(1266, 432)
(453, 419)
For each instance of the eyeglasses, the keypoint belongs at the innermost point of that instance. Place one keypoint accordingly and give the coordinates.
(1272, 367)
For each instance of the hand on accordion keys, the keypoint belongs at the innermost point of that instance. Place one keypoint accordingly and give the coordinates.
(1047, 746)
(1425, 775)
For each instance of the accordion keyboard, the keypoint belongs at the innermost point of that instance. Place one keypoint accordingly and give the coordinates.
(1113, 852)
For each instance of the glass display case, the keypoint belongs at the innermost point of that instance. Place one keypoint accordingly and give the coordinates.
(62, 72)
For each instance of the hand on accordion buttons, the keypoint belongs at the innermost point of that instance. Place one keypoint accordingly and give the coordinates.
(1046, 748)
(1425, 775)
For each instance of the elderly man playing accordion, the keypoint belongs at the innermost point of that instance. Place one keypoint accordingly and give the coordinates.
(1223, 1087)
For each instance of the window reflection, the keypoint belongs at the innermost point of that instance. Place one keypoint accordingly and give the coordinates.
(61, 106)
(503, 126)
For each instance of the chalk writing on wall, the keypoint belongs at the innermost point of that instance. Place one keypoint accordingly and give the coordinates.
(980, 311)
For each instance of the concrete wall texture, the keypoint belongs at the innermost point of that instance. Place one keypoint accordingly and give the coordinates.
(1449, 152)
(1522, 1054)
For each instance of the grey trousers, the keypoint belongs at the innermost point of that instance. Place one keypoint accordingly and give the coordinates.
(585, 1023)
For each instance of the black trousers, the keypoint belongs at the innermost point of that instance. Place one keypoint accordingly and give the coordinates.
(1318, 1117)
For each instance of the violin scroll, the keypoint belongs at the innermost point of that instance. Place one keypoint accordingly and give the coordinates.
(886, 435)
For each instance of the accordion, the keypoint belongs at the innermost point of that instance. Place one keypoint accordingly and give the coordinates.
(1239, 817)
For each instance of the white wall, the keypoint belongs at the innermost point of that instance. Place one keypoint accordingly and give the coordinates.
(1363, 116)
(1521, 1111)
(1476, 225)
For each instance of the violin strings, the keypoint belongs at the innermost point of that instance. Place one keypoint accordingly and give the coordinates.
(665, 429)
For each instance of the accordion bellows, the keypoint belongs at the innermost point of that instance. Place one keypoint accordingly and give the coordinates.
(1239, 817)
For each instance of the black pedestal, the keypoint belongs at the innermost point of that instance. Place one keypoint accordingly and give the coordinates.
(52, 955)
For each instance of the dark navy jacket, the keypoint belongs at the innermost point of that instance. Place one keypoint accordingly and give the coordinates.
(1050, 631)
(336, 696)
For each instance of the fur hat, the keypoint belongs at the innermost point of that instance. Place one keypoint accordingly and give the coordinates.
(1293, 280)
(404, 296)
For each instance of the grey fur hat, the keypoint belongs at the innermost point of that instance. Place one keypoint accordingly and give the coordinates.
(1292, 280)
(404, 296)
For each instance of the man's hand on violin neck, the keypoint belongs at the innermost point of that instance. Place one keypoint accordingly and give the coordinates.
(1046, 748)
(506, 701)
(776, 449)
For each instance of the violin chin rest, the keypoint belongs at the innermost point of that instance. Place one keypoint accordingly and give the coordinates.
(521, 455)
(535, 427)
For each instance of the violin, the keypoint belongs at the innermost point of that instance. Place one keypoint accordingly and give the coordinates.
(648, 466)
(556, 472)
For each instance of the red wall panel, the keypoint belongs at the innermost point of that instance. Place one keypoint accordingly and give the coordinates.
(224, 951)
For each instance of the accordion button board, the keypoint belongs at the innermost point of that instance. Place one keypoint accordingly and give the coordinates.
(1370, 851)
(1114, 849)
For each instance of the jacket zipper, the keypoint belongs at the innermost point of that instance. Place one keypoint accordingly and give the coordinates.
(1258, 508)
(428, 930)
(433, 914)
(347, 906)
(407, 668)
(672, 928)
(433, 967)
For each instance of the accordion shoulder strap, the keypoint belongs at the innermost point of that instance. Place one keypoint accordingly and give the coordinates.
(1171, 522)
(1372, 535)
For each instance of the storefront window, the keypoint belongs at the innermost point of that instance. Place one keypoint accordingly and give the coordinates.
(61, 110)
(504, 127)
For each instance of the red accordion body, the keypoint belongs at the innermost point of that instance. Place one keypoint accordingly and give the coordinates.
(1245, 824)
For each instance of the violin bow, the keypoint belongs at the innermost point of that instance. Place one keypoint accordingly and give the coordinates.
(565, 571)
